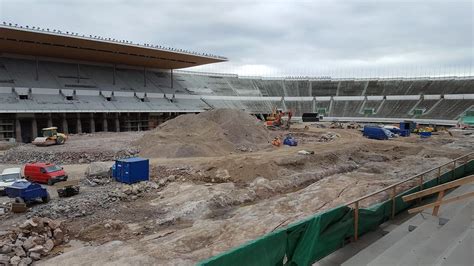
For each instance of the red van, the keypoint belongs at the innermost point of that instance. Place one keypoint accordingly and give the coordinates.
(44, 173)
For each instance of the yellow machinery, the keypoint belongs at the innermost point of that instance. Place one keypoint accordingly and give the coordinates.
(278, 119)
(50, 137)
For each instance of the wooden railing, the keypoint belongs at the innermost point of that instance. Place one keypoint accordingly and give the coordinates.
(441, 190)
(393, 188)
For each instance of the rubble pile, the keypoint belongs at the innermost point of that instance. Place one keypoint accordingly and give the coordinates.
(33, 239)
(132, 192)
(330, 136)
(87, 203)
(30, 153)
(98, 173)
(211, 133)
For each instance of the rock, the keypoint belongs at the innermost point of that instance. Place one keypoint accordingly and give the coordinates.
(29, 243)
(6, 248)
(36, 249)
(39, 240)
(4, 259)
(35, 255)
(28, 224)
(222, 175)
(25, 261)
(18, 242)
(58, 236)
(107, 226)
(15, 260)
(99, 169)
(171, 178)
(127, 189)
(48, 246)
(19, 251)
(53, 224)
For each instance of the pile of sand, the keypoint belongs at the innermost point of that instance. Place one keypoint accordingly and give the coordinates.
(211, 133)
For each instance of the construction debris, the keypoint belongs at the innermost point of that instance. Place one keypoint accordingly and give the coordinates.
(330, 136)
(212, 133)
(31, 240)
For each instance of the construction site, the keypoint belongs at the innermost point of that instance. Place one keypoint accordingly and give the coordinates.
(239, 171)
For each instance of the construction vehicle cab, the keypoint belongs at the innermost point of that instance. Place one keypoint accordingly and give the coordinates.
(50, 137)
(279, 119)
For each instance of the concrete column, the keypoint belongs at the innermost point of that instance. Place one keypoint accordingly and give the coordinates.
(79, 124)
(105, 127)
(18, 130)
(117, 123)
(64, 124)
(139, 122)
(34, 127)
(92, 122)
(128, 123)
(50, 120)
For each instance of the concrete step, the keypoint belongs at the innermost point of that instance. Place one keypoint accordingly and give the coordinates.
(368, 254)
(461, 253)
(433, 248)
(376, 249)
(394, 253)
(449, 210)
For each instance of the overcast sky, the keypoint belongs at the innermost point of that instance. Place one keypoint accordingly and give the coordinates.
(279, 37)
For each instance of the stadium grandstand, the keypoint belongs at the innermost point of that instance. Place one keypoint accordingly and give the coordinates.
(90, 83)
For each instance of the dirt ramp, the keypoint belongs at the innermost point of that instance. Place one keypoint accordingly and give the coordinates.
(212, 133)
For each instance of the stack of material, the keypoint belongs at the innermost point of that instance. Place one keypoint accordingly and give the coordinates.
(212, 133)
(32, 240)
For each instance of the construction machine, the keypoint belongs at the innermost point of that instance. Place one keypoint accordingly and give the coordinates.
(279, 119)
(50, 137)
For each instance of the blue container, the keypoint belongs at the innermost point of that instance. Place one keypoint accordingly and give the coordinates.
(27, 191)
(425, 135)
(131, 170)
(372, 132)
(404, 132)
(408, 125)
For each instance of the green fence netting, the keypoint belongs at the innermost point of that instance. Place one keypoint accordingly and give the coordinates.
(310, 240)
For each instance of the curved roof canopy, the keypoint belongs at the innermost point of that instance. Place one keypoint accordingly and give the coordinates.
(18, 40)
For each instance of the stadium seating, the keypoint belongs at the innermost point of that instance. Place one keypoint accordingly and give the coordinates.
(56, 86)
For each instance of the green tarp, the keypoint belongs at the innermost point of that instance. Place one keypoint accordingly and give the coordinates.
(307, 241)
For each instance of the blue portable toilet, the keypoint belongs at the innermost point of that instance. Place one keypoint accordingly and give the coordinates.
(131, 170)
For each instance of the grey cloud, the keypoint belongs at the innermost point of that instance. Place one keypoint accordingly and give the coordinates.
(286, 37)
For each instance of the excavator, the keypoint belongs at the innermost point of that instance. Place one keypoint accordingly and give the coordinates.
(50, 137)
(279, 119)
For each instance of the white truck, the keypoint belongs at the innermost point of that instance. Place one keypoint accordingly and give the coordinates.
(8, 177)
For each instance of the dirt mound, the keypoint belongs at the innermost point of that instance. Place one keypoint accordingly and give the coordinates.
(211, 133)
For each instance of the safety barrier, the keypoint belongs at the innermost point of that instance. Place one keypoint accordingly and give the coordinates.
(313, 238)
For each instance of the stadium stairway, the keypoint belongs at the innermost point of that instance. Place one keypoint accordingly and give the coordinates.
(422, 239)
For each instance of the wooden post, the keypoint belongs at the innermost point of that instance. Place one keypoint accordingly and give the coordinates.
(356, 221)
(436, 208)
(394, 193)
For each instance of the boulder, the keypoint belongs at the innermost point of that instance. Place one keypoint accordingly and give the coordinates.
(25, 261)
(36, 249)
(29, 243)
(58, 235)
(15, 260)
(4, 259)
(19, 251)
(48, 246)
(35, 255)
(99, 169)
